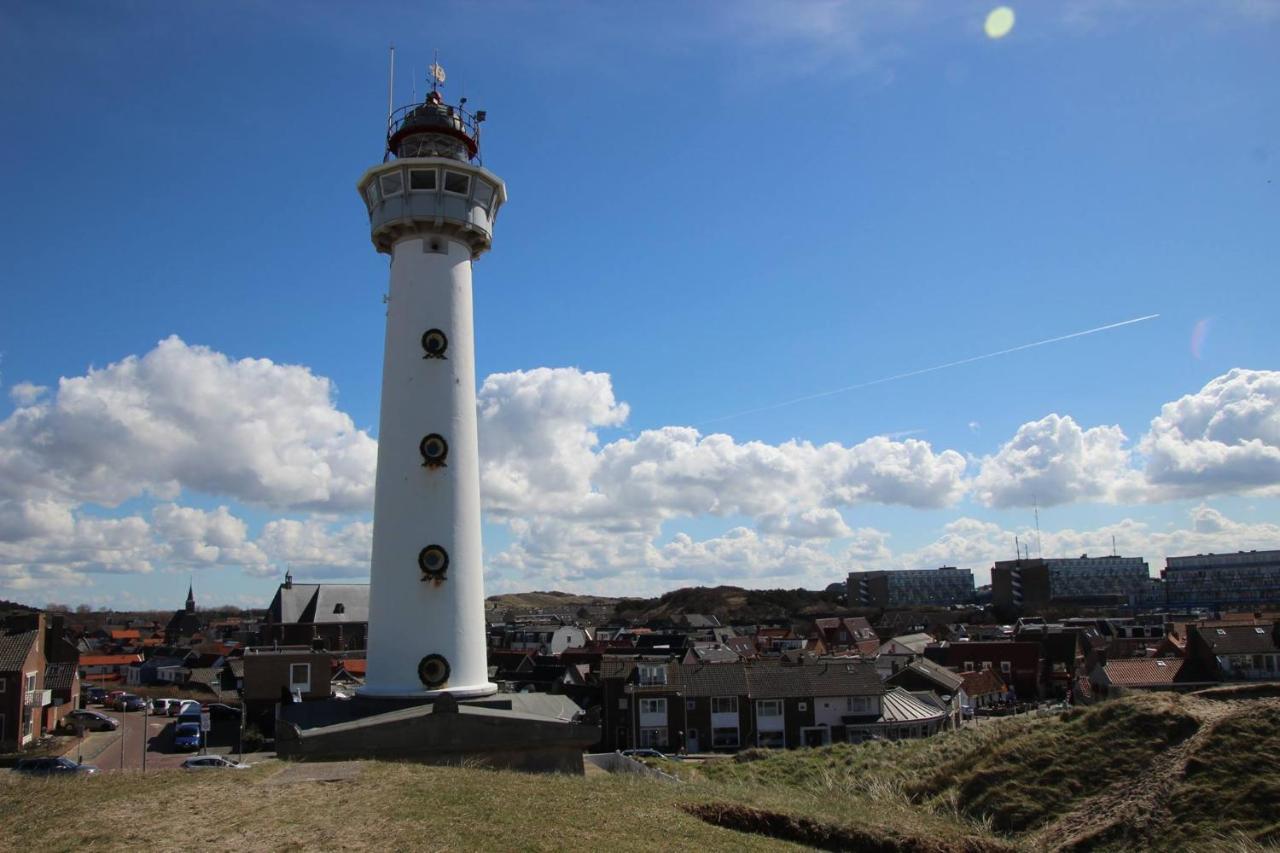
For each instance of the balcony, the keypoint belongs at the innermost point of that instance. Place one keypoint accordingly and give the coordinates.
(37, 698)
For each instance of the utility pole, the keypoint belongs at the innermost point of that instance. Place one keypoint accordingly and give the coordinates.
(146, 731)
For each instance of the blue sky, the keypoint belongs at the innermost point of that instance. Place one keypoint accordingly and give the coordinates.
(713, 208)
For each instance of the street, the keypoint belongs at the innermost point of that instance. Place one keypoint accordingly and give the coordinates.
(123, 748)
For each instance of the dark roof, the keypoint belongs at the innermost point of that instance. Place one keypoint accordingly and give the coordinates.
(945, 679)
(1238, 639)
(317, 603)
(766, 680)
(59, 677)
(14, 648)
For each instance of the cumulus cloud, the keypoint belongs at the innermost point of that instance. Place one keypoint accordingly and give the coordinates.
(1054, 461)
(1223, 438)
(319, 549)
(186, 417)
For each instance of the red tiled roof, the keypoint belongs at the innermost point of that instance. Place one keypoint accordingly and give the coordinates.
(109, 660)
(126, 634)
(103, 678)
(1139, 672)
(355, 666)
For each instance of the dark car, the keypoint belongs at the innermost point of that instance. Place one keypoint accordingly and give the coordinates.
(53, 767)
(186, 737)
(95, 695)
(132, 703)
(219, 711)
(91, 721)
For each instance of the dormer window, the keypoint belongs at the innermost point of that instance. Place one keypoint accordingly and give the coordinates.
(652, 674)
(339, 608)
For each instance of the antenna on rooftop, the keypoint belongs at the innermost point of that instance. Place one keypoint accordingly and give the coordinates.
(1036, 505)
(1113, 544)
(1017, 548)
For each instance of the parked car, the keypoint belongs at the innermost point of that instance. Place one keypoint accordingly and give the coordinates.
(186, 737)
(130, 702)
(212, 762)
(219, 711)
(96, 695)
(91, 721)
(160, 707)
(109, 701)
(52, 767)
(175, 705)
(643, 753)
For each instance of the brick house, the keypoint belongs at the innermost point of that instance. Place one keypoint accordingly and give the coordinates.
(1236, 652)
(665, 705)
(1017, 663)
(36, 690)
(272, 673)
(847, 633)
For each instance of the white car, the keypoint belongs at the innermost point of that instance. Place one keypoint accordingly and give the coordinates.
(212, 762)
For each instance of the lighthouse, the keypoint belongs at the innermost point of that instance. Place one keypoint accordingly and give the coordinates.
(431, 210)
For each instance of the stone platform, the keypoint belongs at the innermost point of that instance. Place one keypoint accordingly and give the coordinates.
(532, 732)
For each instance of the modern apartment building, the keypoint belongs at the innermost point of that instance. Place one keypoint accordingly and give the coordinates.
(1243, 579)
(910, 587)
(1037, 582)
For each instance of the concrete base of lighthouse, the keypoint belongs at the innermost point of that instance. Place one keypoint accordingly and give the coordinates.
(478, 691)
(511, 731)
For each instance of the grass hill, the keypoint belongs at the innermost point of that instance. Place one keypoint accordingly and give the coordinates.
(734, 604)
(1153, 772)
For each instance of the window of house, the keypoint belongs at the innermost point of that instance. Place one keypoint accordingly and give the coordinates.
(299, 676)
(457, 183)
(422, 179)
(392, 184)
(690, 705)
(986, 665)
(724, 737)
(31, 681)
(1006, 667)
(653, 738)
(653, 706)
(3, 682)
(724, 705)
(653, 674)
(1257, 661)
(26, 724)
(769, 708)
(802, 706)
(339, 608)
(771, 740)
(968, 666)
(622, 704)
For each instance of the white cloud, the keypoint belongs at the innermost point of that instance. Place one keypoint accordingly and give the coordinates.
(315, 549)
(1224, 438)
(1054, 461)
(25, 393)
(188, 417)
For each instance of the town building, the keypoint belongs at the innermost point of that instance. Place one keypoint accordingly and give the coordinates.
(910, 587)
(38, 681)
(1245, 579)
(333, 616)
(1235, 651)
(1034, 583)
(659, 704)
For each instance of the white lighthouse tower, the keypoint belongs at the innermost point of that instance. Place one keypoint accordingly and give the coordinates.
(431, 208)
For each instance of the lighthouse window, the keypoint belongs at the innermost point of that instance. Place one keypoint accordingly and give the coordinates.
(392, 184)
(484, 194)
(422, 179)
(456, 182)
(371, 193)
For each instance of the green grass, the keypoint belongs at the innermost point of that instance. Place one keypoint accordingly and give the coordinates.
(1232, 784)
(985, 788)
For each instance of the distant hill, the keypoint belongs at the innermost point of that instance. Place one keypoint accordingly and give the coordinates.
(537, 600)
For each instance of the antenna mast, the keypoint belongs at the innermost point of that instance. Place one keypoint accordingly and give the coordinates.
(1036, 504)
(391, 82)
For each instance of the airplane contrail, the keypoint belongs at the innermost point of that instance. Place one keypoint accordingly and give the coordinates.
(923, 370)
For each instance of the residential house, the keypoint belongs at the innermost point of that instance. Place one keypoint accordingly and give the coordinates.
(1248, 652)
(899, 651)
(921, 675)
(1117, 677)
(657, 703)
(1017, 663)
(272, 674)
(23, 696)
(983, 688)
(847, 634)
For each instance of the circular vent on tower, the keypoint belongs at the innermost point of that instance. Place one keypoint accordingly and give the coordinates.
(434, 562)
(433, 670)
(434, 450)
(434, 343)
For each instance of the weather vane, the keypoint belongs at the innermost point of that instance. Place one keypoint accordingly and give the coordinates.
(435, 71)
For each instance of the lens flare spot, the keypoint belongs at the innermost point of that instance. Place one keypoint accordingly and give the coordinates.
(1199, 336)
(999, 22)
